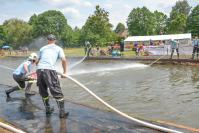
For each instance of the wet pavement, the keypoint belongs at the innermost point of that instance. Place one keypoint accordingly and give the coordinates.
(28, 114)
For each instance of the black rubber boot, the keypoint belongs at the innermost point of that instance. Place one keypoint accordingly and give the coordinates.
(49, 110)
(178, 55)
(192, 56)
(11, 90)
(62, 113)
(171, 55)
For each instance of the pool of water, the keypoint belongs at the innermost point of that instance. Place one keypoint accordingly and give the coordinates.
(159, 92)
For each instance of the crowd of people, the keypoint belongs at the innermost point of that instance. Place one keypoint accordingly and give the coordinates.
(114, 49)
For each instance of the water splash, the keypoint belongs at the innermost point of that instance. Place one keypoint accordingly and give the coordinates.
(37, 43)
(109, 68)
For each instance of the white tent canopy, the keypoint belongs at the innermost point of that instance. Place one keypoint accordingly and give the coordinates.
(157, 37)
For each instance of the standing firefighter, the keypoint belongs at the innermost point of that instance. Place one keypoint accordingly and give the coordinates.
(20, 76)
(87, 48)
(195, 43)
(174, 46)
(47, 75)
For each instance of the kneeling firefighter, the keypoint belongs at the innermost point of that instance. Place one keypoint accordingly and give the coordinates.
(20, 75)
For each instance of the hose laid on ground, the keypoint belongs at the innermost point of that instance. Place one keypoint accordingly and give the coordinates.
(10, 128)
(119, 112)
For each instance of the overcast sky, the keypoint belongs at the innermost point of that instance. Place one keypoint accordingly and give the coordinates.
(77, 11)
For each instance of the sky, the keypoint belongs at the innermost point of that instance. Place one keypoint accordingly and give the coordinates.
(77, 11)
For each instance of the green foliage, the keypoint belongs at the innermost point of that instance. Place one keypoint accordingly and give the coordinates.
(178, 17)
(2, 35)
(49, 22)
(178, 25)
(140, 22)
(181, 7)
(119, 28)
(75, 37)
(160, 22)
(97, 28)
(18, 32)
(67, 37)
(33, 19)
(193, 22)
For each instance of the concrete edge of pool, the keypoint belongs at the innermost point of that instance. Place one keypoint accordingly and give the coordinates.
(148, 60)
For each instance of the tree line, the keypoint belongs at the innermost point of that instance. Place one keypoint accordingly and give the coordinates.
(98, 29)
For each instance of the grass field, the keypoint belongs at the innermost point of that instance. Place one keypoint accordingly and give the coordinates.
(80, 52)
(74, 52)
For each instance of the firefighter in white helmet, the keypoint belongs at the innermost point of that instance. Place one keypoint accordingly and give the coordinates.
(20, 75)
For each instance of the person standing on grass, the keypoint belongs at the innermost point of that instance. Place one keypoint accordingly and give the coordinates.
(47, 76)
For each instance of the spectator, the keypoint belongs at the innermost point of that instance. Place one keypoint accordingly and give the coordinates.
(174, 46)
(195, 44)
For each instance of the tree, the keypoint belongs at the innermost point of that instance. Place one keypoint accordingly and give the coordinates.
(140, 22)
(32, 19)
(119, 28)
(97, 28)
(181, 6)
(2, 35)
(49, 22)
(193, 22)
(18, 32)
(76, 37)
(178, 17)
(178, 25)
(160, 22)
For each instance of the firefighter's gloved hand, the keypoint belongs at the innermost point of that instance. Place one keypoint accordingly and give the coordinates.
(31, 78)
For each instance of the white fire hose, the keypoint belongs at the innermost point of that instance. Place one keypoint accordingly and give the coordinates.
(119, 112)
(10, 128)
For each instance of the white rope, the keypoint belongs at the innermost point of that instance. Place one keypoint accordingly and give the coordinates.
(10, 128)
(119, 112)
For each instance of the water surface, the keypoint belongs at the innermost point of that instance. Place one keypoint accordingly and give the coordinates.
(159, 92)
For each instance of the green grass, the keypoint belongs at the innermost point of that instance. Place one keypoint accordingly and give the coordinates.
(129, 53)
(74, 51)
(80, 52)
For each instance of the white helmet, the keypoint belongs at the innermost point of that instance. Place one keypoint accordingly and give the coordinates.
(33, 56)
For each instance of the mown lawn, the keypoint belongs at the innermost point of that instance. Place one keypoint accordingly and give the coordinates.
(74, 51)
(129, 53)
(80, 52)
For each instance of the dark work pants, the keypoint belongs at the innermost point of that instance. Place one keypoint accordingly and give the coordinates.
(49, 79)
(195, 50)
(172, 51)
(20, 79)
